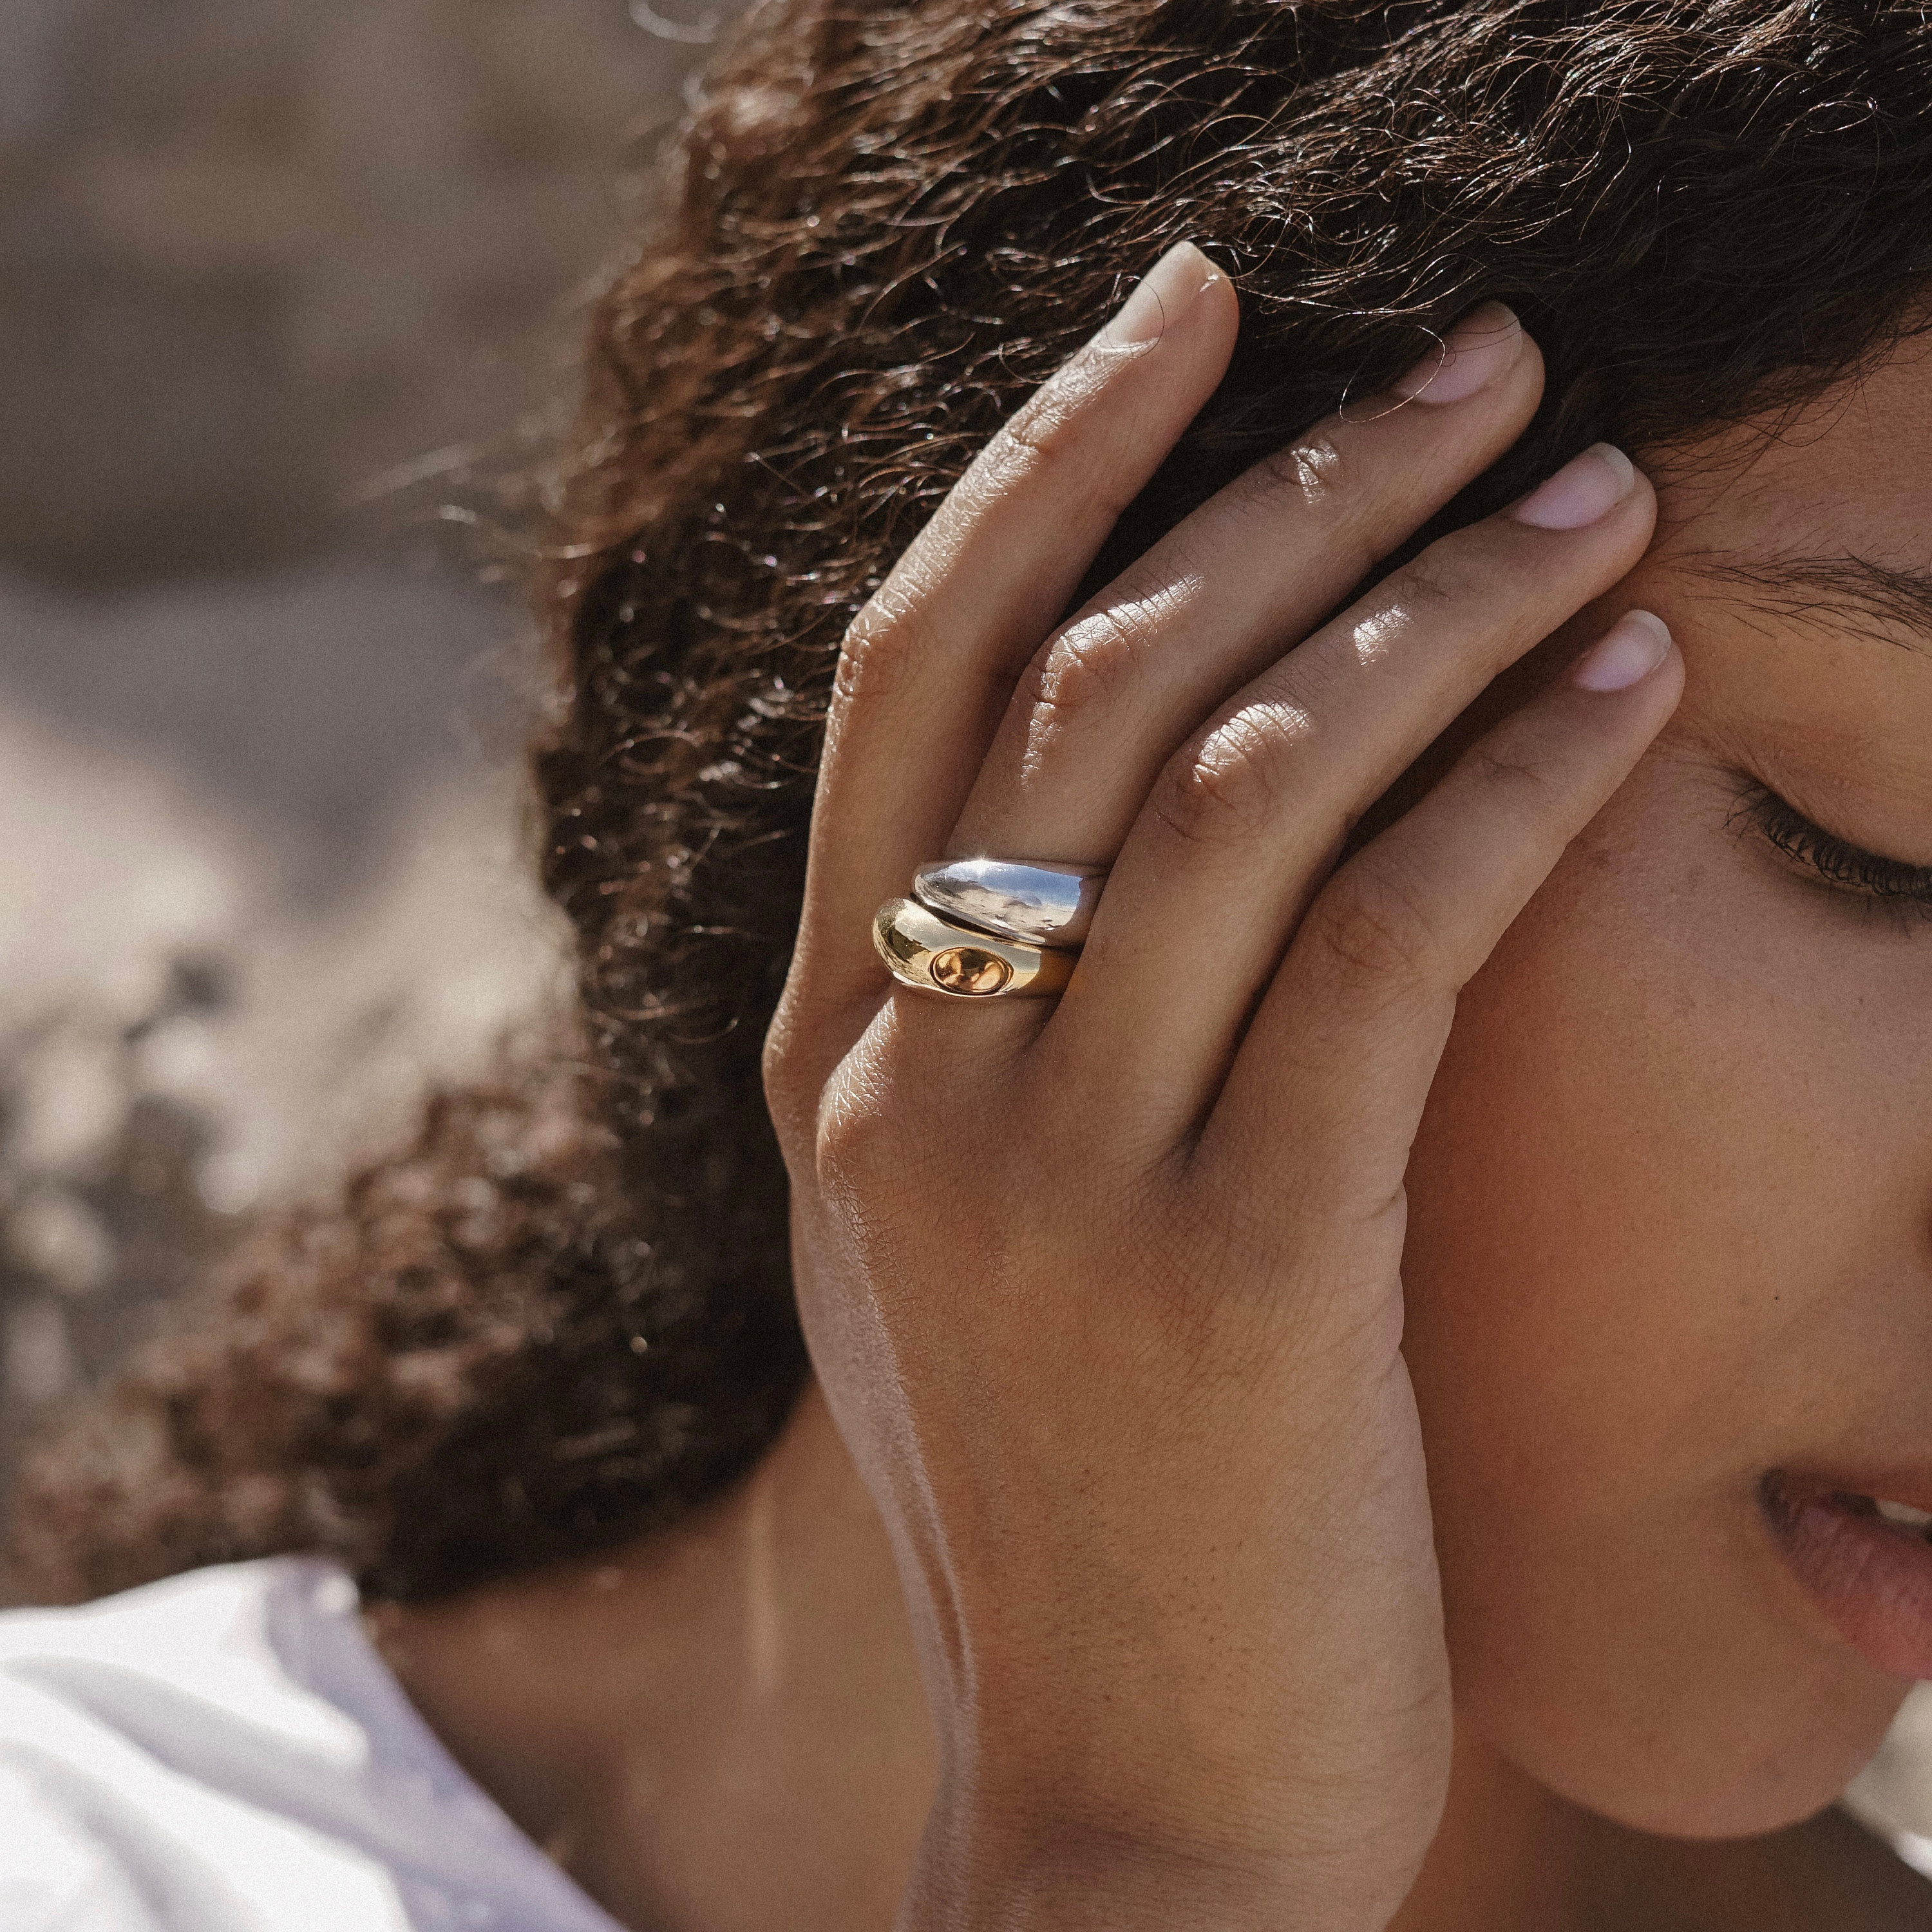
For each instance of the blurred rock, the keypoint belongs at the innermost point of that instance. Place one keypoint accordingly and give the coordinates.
(307, 701)
(261, 878)
(184, 1040)
(255, 253)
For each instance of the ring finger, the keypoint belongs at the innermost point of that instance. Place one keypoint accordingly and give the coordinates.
(1245, 821)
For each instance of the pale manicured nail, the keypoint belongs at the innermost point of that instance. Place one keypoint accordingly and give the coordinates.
(1586, 487)
(1163, 297)
(1627, 653)
(1485, 343)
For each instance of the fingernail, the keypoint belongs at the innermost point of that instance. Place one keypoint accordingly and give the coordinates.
(1586, 487)
(1485, 343)
(1627, 653)
(1163, 297)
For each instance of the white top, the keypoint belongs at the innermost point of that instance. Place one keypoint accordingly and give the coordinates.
(225, 1752)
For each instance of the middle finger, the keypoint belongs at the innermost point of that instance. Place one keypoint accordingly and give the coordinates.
(1112, 692)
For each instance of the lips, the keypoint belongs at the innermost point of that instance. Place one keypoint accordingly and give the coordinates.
(1868, 1560)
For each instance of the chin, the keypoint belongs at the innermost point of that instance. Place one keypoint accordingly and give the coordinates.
(1788, 1743)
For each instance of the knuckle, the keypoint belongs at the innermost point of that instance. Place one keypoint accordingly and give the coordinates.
(1481, 568)
(871, 1111)
(776, 1061)
(1375, 931)
(1520, 778)
(1326, 484)
(1314, 471)
(845, 1135)
(1446, 576)
(792, 1071)
(1053, 429)
(1042, 428)
(1086, 668)
(1235, 779)
(1006, 464)
(859, 1131)
(884, 644)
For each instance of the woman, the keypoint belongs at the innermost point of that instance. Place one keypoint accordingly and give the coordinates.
(1478, 575)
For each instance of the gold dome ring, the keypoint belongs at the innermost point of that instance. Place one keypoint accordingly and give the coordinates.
(922, 950)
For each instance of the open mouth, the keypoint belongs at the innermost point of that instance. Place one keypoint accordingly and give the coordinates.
(1867, 1558)
(1916, 1522)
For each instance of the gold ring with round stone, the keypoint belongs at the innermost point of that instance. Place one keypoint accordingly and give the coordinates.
(923, 950)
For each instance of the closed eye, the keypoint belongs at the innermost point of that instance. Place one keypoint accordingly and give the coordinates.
(1837, 861)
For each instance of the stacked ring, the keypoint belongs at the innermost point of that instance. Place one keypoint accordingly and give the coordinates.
(979, 928)
(923, 950)
(1038, 905)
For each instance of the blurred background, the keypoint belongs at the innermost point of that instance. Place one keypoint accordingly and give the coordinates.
(285, 291)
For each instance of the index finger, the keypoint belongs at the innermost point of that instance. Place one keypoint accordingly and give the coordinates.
(930, 665)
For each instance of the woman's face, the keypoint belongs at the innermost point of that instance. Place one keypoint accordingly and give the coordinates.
(1671, 1222)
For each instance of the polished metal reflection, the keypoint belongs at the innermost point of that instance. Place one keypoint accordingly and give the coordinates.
(1036, 905)
(923, 950)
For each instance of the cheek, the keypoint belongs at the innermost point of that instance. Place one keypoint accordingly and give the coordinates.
(1666, 1233)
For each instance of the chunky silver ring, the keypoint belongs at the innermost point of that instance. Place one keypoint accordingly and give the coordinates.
(933, 954)
(1013, 898)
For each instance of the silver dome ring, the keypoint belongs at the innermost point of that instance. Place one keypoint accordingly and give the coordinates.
(1036, 905)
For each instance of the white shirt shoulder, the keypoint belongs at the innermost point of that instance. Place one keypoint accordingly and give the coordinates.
(225, 1752)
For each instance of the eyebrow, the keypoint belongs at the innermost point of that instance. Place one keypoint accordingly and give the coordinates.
(1845, 593)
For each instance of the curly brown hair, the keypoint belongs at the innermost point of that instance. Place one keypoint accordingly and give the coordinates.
(565, 1315)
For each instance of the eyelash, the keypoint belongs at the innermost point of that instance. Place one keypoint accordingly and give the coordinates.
(1842, 865)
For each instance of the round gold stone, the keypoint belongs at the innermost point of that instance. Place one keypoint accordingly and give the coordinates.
(969, 969)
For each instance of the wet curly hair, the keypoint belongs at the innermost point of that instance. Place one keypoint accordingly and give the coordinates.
(564, 1316)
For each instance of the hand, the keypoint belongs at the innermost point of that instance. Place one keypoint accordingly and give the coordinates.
(1104, 1291)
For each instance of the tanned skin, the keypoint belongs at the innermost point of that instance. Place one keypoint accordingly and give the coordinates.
(1664, 1237)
